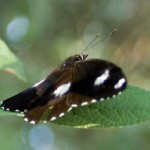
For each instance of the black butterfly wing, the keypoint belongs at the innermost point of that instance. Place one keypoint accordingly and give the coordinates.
(98, 79)
(56, 108)
(51, 104)
(49, 112)
(29, 98)
(19, 102)
(34, 101)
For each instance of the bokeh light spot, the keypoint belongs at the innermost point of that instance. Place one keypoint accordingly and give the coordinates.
(17, 28)
(41, 138)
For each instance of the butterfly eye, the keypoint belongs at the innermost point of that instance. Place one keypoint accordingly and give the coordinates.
(81, 57)
(78, 57)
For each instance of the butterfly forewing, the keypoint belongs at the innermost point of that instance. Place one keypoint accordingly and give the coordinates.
(19, 102)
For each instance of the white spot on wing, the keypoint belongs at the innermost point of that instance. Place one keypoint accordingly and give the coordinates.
(120, 83)
(108, 98)
(102, 99)
(45, 121)
(32, 122)
(119, 93)
(36, 84)
(20, 115)
(53, 118)
(62, 89)
(69, 109)
(2, 108)
(101, 79)
(62, 114)
(1, 102)
(16, 110)
(93, 101)
(50, 107)
(26, 119)
(7, 109)
(84, 103)
(74, 105)
(114, 96)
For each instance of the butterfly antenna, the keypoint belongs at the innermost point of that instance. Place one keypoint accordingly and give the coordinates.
(87, 47)
(93, 43)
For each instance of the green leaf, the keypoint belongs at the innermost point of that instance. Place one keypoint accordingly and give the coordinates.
(10, 63)
(131, 107)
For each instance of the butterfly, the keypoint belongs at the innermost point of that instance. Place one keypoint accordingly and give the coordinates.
(78, 81)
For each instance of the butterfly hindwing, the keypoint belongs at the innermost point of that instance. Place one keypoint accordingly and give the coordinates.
(57, 108)
(66, 104)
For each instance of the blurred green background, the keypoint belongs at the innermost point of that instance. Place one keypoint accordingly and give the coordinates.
(43, 33)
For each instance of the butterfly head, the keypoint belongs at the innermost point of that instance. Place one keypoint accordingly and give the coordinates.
(81, 56)
(73, 59)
